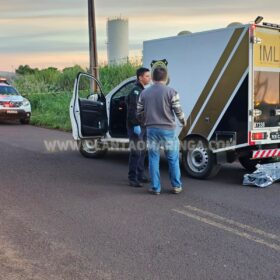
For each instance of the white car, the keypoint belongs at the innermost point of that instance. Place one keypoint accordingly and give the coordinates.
(99, 120)
(12, 105)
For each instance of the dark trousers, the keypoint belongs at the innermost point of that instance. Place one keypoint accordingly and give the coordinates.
(137, 154)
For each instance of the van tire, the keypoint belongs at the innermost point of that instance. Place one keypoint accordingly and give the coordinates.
(92, 148)
(199, 161)
(250, 164)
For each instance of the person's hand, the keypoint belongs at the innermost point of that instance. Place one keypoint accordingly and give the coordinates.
(183, 122)
(137, 130)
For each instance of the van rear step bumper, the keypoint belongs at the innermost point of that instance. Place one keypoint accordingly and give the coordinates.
(266, 153)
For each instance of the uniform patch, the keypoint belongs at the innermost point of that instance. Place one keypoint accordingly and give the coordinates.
(137, 92)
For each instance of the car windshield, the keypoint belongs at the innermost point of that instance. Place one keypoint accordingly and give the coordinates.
(7, 90)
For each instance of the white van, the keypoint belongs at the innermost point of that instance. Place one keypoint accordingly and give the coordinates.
(228, 80)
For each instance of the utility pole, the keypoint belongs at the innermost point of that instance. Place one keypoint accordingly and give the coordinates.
(93, 65)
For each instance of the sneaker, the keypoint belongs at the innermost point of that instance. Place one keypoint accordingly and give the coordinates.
(144, 180)
(152, 191)
(177, 190)
(135, 184)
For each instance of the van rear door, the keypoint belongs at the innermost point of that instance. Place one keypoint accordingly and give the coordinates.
(266, 57)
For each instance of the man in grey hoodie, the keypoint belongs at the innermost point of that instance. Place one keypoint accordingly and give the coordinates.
(159, 104)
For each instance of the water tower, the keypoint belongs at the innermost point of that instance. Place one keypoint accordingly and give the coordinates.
(118, 42)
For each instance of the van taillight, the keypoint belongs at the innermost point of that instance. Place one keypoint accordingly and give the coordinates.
(259, 136)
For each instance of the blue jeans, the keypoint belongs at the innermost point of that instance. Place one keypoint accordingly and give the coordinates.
(169, 141)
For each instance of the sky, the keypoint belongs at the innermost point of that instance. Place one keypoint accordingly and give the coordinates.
(54, 33)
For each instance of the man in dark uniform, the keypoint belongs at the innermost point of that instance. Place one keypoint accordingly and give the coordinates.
(136, 131)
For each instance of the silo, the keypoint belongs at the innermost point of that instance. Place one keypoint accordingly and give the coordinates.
(118, 42)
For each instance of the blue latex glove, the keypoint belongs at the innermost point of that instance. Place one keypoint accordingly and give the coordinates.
(137, 130)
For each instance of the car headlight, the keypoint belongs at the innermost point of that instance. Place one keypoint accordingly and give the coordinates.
(25, 102)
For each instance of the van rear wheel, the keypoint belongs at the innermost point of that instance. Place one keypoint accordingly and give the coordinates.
(198, 160)
(92, 148)
(248, 163)
(251, 164)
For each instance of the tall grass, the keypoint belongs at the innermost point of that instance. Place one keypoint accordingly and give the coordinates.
(113, 75)
(52, 80)
(50, 90)
(51, 110)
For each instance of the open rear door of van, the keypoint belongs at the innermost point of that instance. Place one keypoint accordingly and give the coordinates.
(266, 75)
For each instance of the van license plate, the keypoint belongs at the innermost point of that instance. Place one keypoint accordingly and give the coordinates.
(275, 136)
(11, 112)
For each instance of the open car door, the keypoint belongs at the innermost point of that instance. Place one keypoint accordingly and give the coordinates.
(88, 112)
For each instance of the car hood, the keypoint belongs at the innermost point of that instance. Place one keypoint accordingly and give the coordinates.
(13, 98)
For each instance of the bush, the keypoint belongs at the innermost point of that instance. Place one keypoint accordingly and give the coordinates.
(50, 90)
(51, 80)
(68, 76)
(113, 75)
(51, 110)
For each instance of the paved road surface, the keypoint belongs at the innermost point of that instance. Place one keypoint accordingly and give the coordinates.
(66, 217)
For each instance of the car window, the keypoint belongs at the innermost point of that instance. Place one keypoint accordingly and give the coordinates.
(125, 90)
(8, 90)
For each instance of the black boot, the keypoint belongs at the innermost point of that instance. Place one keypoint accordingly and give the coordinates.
(135, 184)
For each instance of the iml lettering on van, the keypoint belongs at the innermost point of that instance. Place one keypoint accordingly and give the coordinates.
(267, 54)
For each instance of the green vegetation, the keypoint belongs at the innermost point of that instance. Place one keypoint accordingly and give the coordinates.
(50, 90)
(51, 110)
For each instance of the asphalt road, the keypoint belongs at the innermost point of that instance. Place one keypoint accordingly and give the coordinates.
(66, 217)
